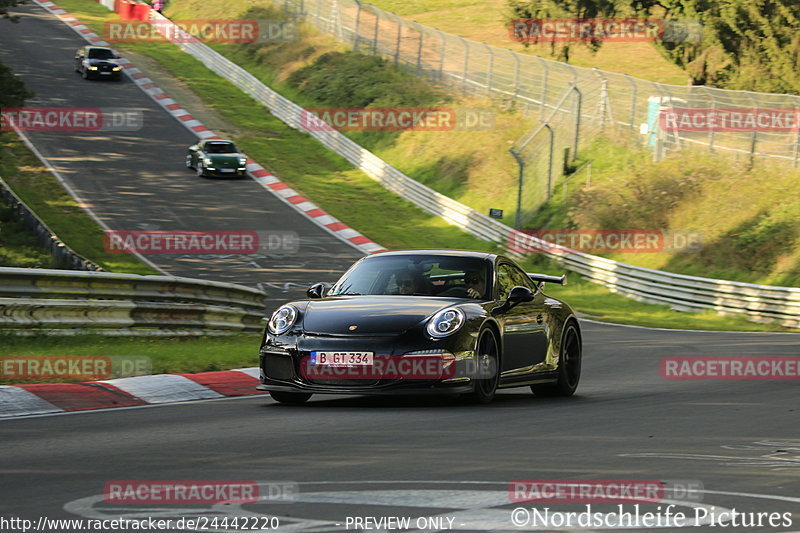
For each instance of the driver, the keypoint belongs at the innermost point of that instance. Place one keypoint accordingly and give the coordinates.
(406, 284)
(476, 284)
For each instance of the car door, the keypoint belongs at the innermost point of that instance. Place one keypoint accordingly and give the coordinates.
(79, 59)
(524, 325)
(200, 154)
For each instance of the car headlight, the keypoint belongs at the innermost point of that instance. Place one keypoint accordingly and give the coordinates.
(117, 68)
(445, 322)
(207, 161)
(282, 320)
(92, 68)
(242, 161)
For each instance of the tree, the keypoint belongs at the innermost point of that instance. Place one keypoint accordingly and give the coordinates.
(12, 91)
(746, 44)
(5, 4)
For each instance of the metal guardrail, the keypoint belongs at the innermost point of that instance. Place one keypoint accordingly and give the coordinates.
(756, 302)
(534, 83)
(64, 301)
(60, 251)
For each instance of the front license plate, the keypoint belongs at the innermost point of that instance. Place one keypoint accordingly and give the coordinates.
(105, 73)
(342, 358)
(227, 170)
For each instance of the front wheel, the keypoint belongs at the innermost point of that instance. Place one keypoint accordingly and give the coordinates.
(201, 172)
(569, 366)
(189, 161)
(290, 397)
(488, 367)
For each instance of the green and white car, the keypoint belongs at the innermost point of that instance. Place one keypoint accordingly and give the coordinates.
(216, 157)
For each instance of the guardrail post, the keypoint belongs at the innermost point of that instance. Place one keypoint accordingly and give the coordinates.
(491, 67)
(521, 163)
(754, 136)
(550, 159)
(516, 72)
(544, 85)
(419, 49)
(796, 149)
(397, 44)
(713, 110)
(466, 61)
(603, 97)
(375, 35)
(578, 107)
(356, 34)
(441, 55)
(633, 100)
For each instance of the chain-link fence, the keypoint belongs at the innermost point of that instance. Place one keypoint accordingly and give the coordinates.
(574, 104)
(536, 84)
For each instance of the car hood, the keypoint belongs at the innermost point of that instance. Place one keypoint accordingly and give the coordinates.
(100, 62)
(372, 315)
(224, 157)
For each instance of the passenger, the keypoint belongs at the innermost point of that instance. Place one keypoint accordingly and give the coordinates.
(408, 284)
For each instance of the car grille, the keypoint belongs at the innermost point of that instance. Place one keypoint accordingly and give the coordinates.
(344, 382)
(278, 367)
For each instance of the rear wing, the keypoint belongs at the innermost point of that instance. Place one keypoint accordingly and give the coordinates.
(561, 280)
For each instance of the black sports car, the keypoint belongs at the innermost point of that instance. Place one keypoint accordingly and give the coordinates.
(422, 322)
(216, 157)
(97, 62)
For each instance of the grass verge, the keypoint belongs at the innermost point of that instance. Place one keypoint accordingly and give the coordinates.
(18, 246)
(37, 187)
(347, 194)
(167, 355)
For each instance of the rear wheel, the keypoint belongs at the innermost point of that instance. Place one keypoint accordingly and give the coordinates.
(488, 365)
(569, 366)
(290, 397)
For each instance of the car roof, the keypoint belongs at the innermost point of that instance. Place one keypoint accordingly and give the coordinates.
(217, 141)
(92, 47)
(447, 252)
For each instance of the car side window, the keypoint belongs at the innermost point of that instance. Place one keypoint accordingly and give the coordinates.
(504, 282)
(508, 277)
(521, 278)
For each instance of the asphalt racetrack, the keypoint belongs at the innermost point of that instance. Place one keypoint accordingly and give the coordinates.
(420, 457)
(348, 463)
(136, 180)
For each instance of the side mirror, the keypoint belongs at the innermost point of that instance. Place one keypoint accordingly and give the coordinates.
(516, 296)
(520, 294)
(316, 291)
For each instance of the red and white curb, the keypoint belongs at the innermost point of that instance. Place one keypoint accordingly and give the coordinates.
(288, 195)
(51, 398)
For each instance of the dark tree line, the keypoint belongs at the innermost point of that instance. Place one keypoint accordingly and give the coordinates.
(12, 91)
(745, 44)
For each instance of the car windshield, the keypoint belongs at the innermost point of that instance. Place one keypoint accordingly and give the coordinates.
(100, 53)
(416, 275)
(220, 148)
